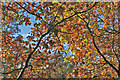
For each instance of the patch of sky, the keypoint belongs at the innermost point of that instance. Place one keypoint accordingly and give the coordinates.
(24, 30)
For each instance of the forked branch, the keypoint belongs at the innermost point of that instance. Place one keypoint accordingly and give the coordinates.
(53, 26)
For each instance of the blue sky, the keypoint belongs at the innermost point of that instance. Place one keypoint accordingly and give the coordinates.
(26, 29)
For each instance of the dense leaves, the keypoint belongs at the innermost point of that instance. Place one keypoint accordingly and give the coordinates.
(68, 39)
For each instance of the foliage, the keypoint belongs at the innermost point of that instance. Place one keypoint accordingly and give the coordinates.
(68, 39)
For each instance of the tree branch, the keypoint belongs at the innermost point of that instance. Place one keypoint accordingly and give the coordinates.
(100, 51)
(30, 12)
(29, 56)
(87, 9)
(11, 71)
(114, 50)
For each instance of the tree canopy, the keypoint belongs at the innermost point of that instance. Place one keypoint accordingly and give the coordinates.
(67, 40)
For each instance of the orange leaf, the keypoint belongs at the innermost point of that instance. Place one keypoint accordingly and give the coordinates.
(8, 23)
(33, 44)
(32, 28)
(32, 31)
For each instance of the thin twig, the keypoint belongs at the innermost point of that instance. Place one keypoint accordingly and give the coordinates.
(29, 56)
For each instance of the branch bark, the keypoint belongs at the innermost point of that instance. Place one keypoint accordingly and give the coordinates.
(11, 71)
(29, 56)
(100, 51)
(117, 70)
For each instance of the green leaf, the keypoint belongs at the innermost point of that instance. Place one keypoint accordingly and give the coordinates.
(64, 59)
(62, 69)
(66, 10)
(86, 54)
(71, 5)
(68, 55)
(35, 28)
(86, 40)
(85, 75)
(79, 19)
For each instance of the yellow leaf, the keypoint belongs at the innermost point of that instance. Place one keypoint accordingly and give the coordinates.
(3, 54)
(13, 59)
(41, 67)
(61, 17)
(89, 53)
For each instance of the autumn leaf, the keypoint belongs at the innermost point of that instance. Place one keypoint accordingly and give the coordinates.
(66, 39)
